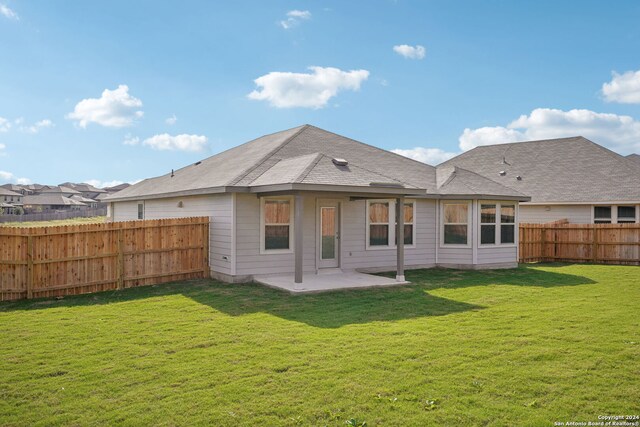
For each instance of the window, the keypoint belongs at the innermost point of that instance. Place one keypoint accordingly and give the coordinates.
(507, 223)
(276, 216)
(140, 210)
(497, 223)
(626, 214)
(456, 223)
(379, 224)
(488, 224)
(602, 214)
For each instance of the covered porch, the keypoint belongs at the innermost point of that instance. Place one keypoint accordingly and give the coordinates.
(329, 273)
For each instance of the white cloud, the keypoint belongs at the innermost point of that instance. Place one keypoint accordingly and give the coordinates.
(8, 13)
(182, 142)
(9, 177)
(410, 52)
(5, 125)
(2, 147)
(623, 88)
(131, 140)
(620, 133)
(431, 156)
(37, 126)
(171, 120)
(294, 17)
(472, 138)
(312, 90)
(115, 108)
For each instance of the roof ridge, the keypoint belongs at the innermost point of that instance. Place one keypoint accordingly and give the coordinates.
(373, 146)
(264, 158)
(490, 180)
(309, 168)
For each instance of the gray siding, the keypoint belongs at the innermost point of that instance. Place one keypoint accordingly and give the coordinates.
(537, 214)
(355, 254)
(219, 207)
(497, 254)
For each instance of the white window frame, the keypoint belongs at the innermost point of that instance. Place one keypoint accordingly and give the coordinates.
(140, 203)
(635, 218)
(498, 223)
(391, 224)
(610, 219)
(469, 223)
(263, 224)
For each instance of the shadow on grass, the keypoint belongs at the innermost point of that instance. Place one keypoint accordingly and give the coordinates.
(331, 309)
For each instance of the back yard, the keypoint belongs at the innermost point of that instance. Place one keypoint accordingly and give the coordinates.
(530, 346)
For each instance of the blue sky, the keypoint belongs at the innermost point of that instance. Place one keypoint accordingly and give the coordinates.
(185, 80)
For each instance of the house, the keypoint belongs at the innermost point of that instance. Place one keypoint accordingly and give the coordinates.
(51, 202)
(567, 178)
(88, 202)
(10, 201)
(87, 191)
(16, 188)
(306, 201)
(57, 189)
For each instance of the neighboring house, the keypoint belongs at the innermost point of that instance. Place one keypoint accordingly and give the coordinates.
(87, 191)
(567, 178)
(304, 200)
(111, 190)
(88, 202)
(51, 202)
(57, 189)
(16, 188)
(635, 158)
(9, 200)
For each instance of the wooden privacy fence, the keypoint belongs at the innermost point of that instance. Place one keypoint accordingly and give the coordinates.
(596, 243)
(68, 260)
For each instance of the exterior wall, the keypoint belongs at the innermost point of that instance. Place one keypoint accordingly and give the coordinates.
(219, 207)
(357, 256)
(538, 214)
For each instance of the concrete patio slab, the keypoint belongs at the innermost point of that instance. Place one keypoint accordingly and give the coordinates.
(327, 281)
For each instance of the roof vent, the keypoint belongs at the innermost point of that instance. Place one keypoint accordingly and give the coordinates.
(502, 173)
(339, 162)
(171, 173)
(197, 163)
(519, 178)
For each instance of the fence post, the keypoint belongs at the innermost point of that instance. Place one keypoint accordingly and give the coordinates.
(29, 266)
(205, 236)
(594, 244)
(120, 252)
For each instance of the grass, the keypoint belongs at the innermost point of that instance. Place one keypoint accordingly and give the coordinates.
(530, 346)
(71, 221)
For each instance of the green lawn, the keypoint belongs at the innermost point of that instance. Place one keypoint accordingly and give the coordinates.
(530, 346)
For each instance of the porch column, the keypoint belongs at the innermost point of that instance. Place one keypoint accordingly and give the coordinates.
(298, 230)
(400, 239)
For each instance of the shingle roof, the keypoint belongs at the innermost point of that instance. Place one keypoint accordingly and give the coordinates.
(50, 199)
(453, 180)
(634, 157)
(83, 187)
(58, 189)
(556, 170)
(300, 155)
(6, 192)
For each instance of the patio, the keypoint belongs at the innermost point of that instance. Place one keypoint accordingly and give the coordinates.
(332, 280)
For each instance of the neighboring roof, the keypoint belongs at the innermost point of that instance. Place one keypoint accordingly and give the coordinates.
(634, 157)
(82, 199)
(117, 187)
(13, 187)
(556, 170)
(6, 192)
(58, 189)
(83, 187)
(299, 156)
(50, 199)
